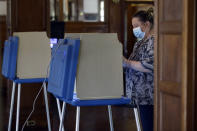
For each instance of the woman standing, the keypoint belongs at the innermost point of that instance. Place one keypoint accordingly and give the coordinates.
(139, 67)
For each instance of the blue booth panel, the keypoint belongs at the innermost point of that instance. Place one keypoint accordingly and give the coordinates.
(63, 69)
(10, 58)
(6, 59)
(98, 102)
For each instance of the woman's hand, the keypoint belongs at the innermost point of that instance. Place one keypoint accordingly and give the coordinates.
(124, 62)
(136, 65)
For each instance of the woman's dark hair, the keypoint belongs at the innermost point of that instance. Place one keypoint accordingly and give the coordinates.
(145, 16)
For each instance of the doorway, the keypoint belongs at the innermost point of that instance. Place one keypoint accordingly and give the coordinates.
(130, 8)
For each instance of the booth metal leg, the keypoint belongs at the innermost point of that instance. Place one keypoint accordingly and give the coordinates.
(137, 118)
(77, 118)
(110, 118)
(62, 116)
(59, 111)
(47, 107)
(11, 106)
(18, 106)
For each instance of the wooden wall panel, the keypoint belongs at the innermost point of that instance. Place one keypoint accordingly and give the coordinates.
(170, 57)
(170, 9)
(81, 27)
(29, 15)
(3, 30)
(116, 18)
(170, 105)
(3, 37)
(170, 16)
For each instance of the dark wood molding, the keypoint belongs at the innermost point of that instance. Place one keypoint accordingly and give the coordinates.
(140, 2)
(195, 72)
(2, 18)
(81, 27)
(3, 33)
(191, 88)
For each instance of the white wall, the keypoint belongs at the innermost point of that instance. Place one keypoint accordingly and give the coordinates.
(3, 8)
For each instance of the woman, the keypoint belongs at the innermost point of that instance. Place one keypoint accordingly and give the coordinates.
(139, 67)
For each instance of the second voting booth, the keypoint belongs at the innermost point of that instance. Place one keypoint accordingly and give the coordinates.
(25, 60)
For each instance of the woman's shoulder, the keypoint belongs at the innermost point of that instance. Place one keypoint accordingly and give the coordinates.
(150, 41)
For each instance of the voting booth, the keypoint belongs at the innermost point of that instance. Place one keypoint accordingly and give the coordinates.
(97, 59)
(25, 60)
(86, 70)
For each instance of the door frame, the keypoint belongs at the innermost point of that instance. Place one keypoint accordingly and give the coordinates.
(195, 71)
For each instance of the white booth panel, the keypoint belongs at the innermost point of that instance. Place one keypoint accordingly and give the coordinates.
(3, 7)
(99, 72)
(34, 55)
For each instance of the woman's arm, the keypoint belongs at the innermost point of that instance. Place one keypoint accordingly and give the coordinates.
(136, 65)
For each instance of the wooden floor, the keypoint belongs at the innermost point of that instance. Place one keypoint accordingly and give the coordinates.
(92, 118)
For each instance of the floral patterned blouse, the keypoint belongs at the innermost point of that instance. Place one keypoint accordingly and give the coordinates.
(139, 85)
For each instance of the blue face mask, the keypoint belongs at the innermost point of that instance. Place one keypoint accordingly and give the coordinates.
(138, 33)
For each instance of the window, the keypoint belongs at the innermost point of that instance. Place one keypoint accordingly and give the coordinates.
(78, 10)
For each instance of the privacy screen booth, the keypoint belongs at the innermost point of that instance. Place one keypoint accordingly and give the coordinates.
(25, 60)
(86, 70)
(97, 59)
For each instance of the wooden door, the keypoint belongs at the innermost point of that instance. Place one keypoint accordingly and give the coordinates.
(174, 65)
